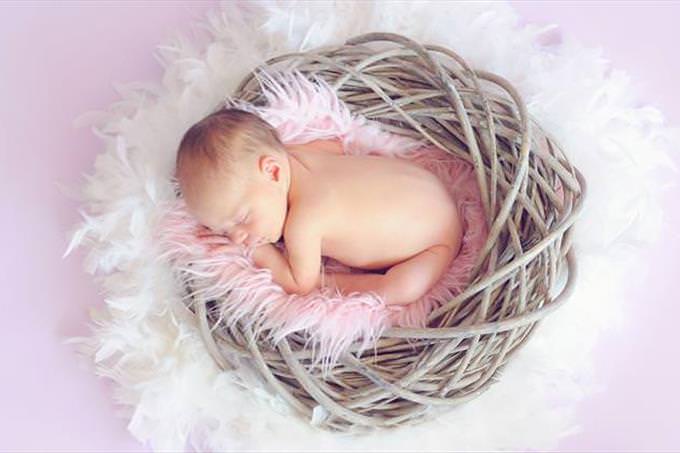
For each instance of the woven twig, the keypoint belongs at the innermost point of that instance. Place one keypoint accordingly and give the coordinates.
(430, 92)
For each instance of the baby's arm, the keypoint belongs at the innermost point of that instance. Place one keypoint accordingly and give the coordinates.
(299, 272)
(267, 256)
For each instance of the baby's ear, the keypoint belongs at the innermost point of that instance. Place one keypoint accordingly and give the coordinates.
(271, 167)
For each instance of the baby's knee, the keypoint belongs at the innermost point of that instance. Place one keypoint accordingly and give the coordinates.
(403, 289)
(409, 281)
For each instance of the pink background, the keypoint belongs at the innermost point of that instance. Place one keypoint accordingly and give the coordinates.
(60, 61)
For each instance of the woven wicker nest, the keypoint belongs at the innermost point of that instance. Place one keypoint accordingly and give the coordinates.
(429, 91)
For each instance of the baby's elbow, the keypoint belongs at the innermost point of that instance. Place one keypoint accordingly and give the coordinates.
(298, 291)
(304, 288)
(403, 293)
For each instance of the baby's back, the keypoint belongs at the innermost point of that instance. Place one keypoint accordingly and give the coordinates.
(377, 211)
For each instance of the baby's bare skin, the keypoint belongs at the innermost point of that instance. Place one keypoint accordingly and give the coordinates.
(381, 214)
(376, 213)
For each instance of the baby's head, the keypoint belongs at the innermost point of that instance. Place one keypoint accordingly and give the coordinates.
(234, 175)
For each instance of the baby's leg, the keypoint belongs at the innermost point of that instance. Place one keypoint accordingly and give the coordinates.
(403, 283)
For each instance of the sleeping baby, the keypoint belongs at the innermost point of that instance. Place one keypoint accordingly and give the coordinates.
(386, 216)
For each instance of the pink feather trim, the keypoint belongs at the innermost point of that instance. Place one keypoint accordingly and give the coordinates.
(301, 111)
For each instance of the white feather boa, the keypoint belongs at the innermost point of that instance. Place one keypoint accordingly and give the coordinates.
(146, 342)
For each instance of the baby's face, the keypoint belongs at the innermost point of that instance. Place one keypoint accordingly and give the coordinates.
(251, 213)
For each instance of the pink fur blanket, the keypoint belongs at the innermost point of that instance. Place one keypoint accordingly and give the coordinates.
(301, 111)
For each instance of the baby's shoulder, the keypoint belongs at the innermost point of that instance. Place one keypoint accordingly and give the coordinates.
(306, 217)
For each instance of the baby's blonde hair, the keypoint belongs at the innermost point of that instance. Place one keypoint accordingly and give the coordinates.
(225, 140)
